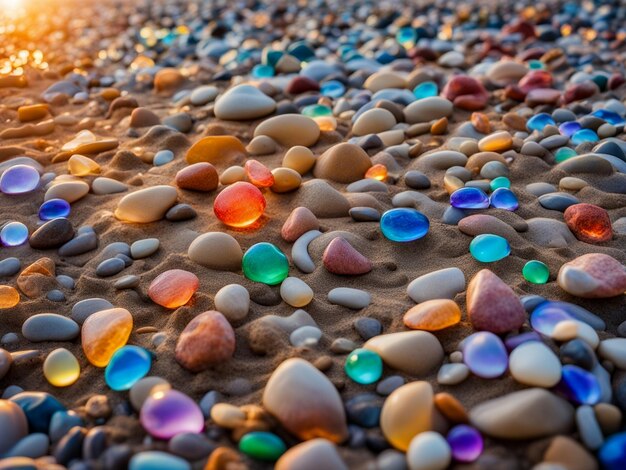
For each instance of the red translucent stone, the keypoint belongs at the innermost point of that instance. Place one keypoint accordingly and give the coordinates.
(535, 79)
(239, 205)
(526, 29)
(466, 93)
(590, 223)
(615, 81)
(580, 91)
(258, 174)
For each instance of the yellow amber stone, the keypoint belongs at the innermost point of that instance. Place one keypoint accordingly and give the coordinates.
(32, 112)
(105, 332)
(496, 142)
(451, 183)
(79, 165)
(110, 94)
(326, 123)
(9, 297)
(216, 149)
(433, 315)
(377, 172)
(61, 368)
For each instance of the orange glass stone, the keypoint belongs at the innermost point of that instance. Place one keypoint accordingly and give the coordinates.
(105, 332)
(9, 297)
(239, 205)
(481, 123)
(451, 408)
(258, 174)
(173, 288)
(216, 149)
(377, 172)
(433, 315)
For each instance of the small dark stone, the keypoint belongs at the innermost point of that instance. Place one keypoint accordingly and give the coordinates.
(95, 443)
(364, 409)
(388, 385)
(52, 234)
(416, 180)
(364, 214)
(357, 436)
(62, 422)
(79, 245)
(375, 441)
(207, 401)
(116, 457)
(115, 248)
(110, 267)
(55, 295)
(191, 446)
(368, 327)
(38, 408)
(128, 261)
(530, 302)
(579, 353)
(619, 395)
(181, 212)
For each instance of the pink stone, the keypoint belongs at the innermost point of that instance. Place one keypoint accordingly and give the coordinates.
(593, 276)
(466, 93)
(300, 221)
(580, 91)
(342, 258)
(539, 96)
(615, 81)
(535, 79)
(492, 305)
(173, 288)
(207, 340)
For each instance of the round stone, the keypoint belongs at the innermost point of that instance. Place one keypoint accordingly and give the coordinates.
(14, 234)
(536, 272)
(485, 355)
(239, 205)
(19, 179)
(364, 366)
(54, 208)
(504, 198)
(61, 368)
(127, 365)
(173, 288)
(466, 443)
(589, 223)
(428, 451)
(167, 413)
(262, 445)
(296, 292)
(9, 297)
(489, 248)
(533, 363)
(404, 224)
(594, 275)
(433, 315)
(265, 263)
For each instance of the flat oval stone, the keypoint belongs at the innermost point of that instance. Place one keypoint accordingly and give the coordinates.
(433, 315)
(373, 121)
(201, 176)
(400, 350)
(496, 142)
(9, 267)
(216, 250)
(146, 205)
(296, 292)
(428, 450)
(404, 224)
(70, 191)
(173, 288)
(103, 333)
(469, 198)
(13, 423)
(355, 299)
(534, 364)
(49, 327)
(557, 201)
(428, 109)
(290, 129)
(144, 248)
(110, 267)
(614, 349)
(19, 179)
(442, 284)
(243, 102)
(52, 234)
(485, 355)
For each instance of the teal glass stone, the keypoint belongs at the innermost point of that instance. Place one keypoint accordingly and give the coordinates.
(536, 272)
(539, 121)
(504, 198)
(333, 89)
(488, 248)
(271, 57)
(584, 135)
(262, 445)
(425, 90)
(262, 71)
(563, 154)
(157, 460)
(535, 65)
(316, 110)
(364, 366)
(579, 386)
(500, 182)
(128, 365)
(404, 224)
(406, 36)
(265, 263)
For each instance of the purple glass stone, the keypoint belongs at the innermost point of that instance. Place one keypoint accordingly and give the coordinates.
(19, 179)
(469, 198)
(517, 340)
(504, 198)
(168, 413)
(485, 355)
(466, 443)
(569, 128)
(547, 315)
(579, 386)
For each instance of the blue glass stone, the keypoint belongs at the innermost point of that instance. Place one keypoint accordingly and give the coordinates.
(271, 57)
(301, 50)
(14, 234)
(547, 315)
(469, 198)
(333, 89)
(19, 179)
(128, 365)
(612, 454)
(53, 209)
(499, 182)
(406, 36)
(485, 355)
(489, 248)
(425, 90)
(535, 65)
(262, 71)
(504, 198)
(539, 121)
(157, 460)
(609, 116)
(466, 443)
(579, 386)
(584, 135)
(162, 157)
(39, 407)
(569, 128)
(514, 341)
(404, 224)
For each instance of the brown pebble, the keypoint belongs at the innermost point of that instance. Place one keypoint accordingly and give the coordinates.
(609, 418)
(570, 454)
(201, 176)
(514, 121)
(224, 458)
(37, 278)
(439, 127)
(451, 408)
(98, 406)
(300, 221)
(481, 123)
(323, 363)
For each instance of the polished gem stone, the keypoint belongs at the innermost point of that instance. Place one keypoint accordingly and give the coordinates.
(14, 234)
(317, 110)
(173, 288)
(609, 116)
(258, 174)
(167, 413)
(488, 248)
(61, 368)
(564, 153)
(426, 89)
(333, 89)
(53, 208)
(485, 355)
(469, 198)
(547, 315)
(265, 263)
(263, 71)
(19, 179)
(539, 121)
(466, 443)
(499, 182)
(432, 315)
(504, 198)
(579, 386)
(364, 366)
(104, 332)
(536, 272)
(404, 224)
(127, 365)
(262, 445)
(9, 297)
(39, 407)
(406, 36)
(239, 205)
(569, 128)
(584, 135)
(612, 454)
(378, 172)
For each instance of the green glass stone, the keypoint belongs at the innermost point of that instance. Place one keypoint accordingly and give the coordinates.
(262, 445)
(489, 248)
(364, 366)
(563, 154)
(536, 272)
(317, 110)
(500, 182)
(265, 263)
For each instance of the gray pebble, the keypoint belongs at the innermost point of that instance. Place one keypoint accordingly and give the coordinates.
(158, 338)
(49, 327)
(52, 234)
(207, 401)
(127, 282)
(391, 459)
(144, 248)
(364, 214)
(70, 447)
(238, 387)
(305, 336)
(621, 329)
(66, 281)
(367, 185)
(115, 248)
(11, 391)
(9, 267)
(554, 141)
(557, 201)
(33, 446)
(368, 327)
(539, 189)
(563, 115)
(55, 295)
(181, 212)
(389, 384)
(588, 427)
(79, 245)
(452, 374)
(416, 180)
(453, 215)
(300, 251)
(95, 443)
(342, 346)
(110, 267)
(480, 184)
(128, 261)
(533, 149)
(9, 339)
(61, 422)
(182, 122)
(82, 309)
(5, 362)
(191, 446)
(355, 299)
(493, 169)
(460, 172)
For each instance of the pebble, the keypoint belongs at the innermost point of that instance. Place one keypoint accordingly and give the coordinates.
(173, 288)
(566, 451)
(103, 333)
(300, 221)
(146, 205)
(594, 275)
(216, 150)
(428, 451)
(398, 351)
(49, 327)
(296, 292)
(433, 315)
(589, 223)
(14, 425)
(355, 299)
(110, 267)
(534, 364)
(614, 350)
(243, 102)
(311, 455)
(157, 460)
(290, 130)
(485, 355)
(428, 109)
(216, 250)
(52, 234)
(452, 374)
(588, 427)
(9, 267)
(340, 257)
(342, 163)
